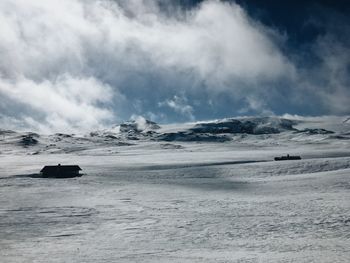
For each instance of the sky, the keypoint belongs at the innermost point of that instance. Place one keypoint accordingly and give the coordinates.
(74, 65)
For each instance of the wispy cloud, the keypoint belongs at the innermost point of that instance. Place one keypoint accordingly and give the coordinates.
(179, 105)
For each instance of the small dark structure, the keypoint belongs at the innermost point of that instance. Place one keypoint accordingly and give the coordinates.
(61, 171)
(288, 157)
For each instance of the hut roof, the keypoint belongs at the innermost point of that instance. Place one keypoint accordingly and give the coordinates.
(61, 168)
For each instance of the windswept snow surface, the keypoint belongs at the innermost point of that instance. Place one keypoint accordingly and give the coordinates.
(145, 199)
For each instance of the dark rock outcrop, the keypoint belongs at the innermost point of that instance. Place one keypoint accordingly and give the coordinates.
(135, 127)
(189, 136)
(29, 140)
(264, 125)
(315, 131)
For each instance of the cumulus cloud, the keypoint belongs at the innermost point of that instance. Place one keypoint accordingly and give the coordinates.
(65, 102)
(83, 64)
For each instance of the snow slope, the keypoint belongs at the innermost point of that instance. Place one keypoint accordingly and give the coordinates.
(145, 199)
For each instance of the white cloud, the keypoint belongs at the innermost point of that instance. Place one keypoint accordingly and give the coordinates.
(85, 63)
(66, 102)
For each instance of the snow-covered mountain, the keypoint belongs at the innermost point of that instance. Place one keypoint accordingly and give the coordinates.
(247, 130)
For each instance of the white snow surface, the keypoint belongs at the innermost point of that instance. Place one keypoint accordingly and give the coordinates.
(143, 199)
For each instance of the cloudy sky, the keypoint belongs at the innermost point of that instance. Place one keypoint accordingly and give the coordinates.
(84, 64)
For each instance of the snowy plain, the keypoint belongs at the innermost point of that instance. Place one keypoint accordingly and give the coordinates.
(172, 193)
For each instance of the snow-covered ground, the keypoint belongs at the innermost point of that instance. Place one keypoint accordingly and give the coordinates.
(207, 192)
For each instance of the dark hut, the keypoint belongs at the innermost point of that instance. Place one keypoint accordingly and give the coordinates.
(61, 171)
(287, 157)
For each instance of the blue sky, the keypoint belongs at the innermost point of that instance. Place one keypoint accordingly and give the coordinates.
(80, 65)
